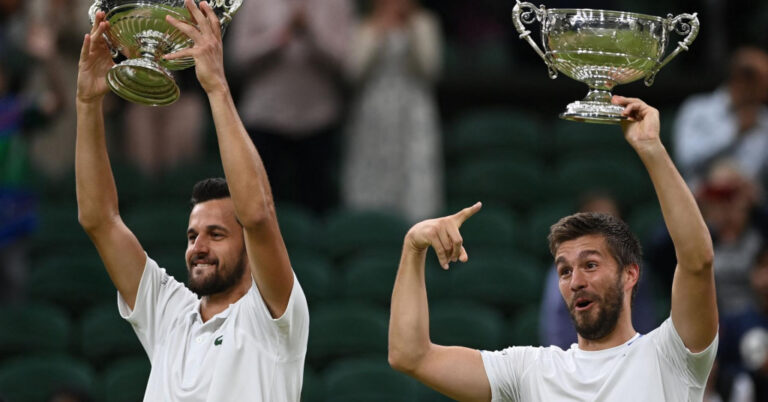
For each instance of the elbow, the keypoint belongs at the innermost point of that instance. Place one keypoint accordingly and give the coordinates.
(401, 363)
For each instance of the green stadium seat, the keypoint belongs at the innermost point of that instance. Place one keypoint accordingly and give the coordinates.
(492, 133)
(578, 138)
(523, 328)
(368, 379)
(464, 323)
(36, 378)
(159, 224)
(171, 258)
(351, 232)
(625, 178)
(125, 380)
(33, 328)
(298, 227)
(59, 231)
(517, 183)
(312, 388)
(314, 273)
(104, 336)
(344, 329)
(491, 227)
(509, 281)
(370, 278)
(72, 283)
(644, 219)
(539, 222)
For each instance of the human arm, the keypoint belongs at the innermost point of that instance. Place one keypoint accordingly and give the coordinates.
(427, 44)
(243, 168)
(455, 371)
(96, 192)
(694, 309)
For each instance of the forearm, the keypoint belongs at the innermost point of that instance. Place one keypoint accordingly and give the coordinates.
(409, 317)
(426, 46)
(689, 233)
(244, 170)
(96, 193)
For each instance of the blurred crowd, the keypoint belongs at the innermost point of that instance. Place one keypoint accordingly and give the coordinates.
(340, 98)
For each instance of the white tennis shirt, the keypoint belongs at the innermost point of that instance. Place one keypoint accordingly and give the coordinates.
(653, 367)
(240, 354)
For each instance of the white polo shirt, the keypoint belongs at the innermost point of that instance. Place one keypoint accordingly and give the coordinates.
(241, 354)
(654, 367)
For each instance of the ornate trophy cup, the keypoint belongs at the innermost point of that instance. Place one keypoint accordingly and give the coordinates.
(602, 49)
(139, 31)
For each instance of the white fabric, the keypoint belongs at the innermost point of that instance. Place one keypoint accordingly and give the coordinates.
(240, 354)
(706, 126)
(654, 367)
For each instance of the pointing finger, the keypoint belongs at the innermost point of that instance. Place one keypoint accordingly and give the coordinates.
(467, 212)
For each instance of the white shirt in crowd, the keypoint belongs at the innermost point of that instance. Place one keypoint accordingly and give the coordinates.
(653, 367)
(239, 354)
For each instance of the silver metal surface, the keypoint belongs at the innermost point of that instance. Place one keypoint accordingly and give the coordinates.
(603, 49)
(139, 31)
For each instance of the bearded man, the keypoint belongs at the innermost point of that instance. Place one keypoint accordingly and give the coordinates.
(239, 331)
(598, 265)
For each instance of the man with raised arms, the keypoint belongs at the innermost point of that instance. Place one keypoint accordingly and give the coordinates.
(597, 260)
(238, 330)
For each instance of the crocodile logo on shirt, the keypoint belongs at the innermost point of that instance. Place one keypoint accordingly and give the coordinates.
(217, 341)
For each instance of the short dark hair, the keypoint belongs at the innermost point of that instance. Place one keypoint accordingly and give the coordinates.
(213, 188)
(622, 243)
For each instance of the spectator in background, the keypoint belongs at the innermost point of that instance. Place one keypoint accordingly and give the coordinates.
(158, 139)
(21, 110)
(555, 325)
(290, 57)
(731, 122)
(728, 199)
(751, 369)
(55, 28)
(393, 149)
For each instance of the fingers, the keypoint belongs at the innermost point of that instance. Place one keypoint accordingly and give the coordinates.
(456, 243)
(100, 15)
(184, 27)
(463, 257)
(198, 16)
(188, 52)
(446, 247)
(466, 213)
(212, 19)
(86, 47)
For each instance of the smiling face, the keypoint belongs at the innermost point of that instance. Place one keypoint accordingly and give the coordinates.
(216, 257)
(592, 285)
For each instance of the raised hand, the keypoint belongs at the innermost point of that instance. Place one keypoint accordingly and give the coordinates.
(95, 62)
(443, 235)
(642, 128)
(207, 51)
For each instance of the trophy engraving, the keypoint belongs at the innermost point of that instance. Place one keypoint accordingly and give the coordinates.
(602, 49)
(139, 31)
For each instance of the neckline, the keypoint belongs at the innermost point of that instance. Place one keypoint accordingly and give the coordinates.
(603, 352)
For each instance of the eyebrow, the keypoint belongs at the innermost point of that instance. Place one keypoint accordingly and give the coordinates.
(210, 228)
(582, 255)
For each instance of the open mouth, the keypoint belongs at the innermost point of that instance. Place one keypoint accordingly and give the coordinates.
(583, 304)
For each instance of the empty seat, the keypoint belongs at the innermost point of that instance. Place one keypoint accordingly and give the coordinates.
(344, 329)
(464, 323)
(33, 328)
(125, 380)
(36, 378)
(104, 335)
(369, 379)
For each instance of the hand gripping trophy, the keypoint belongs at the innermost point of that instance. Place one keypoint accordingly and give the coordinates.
(602, 49)
(139, 31)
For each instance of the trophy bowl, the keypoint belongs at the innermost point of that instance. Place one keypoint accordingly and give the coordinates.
(602, 49)
(139, 31)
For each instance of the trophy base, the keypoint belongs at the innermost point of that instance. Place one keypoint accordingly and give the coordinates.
(143, 81)
(594, 112)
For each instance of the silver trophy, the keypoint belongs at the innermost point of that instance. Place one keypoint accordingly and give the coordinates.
(602, 49)
(139, 31)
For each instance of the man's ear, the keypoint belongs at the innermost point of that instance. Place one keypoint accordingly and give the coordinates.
(632, 273)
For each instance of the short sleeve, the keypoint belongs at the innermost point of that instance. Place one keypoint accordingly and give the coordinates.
(287, 333)
(504, 369)
(160, 300)
(693, 367)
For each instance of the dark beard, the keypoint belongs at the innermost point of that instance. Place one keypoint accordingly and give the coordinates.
(607, 316)
(218, 282)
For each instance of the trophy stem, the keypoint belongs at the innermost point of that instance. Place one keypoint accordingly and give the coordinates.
(596, 107)
(143, 80)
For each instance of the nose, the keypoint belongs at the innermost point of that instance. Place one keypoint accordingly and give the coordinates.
(578, 280)
(199, 245)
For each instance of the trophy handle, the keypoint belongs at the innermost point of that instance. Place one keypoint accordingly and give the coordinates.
(527, 13)
(683, 24)
(230, 7)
